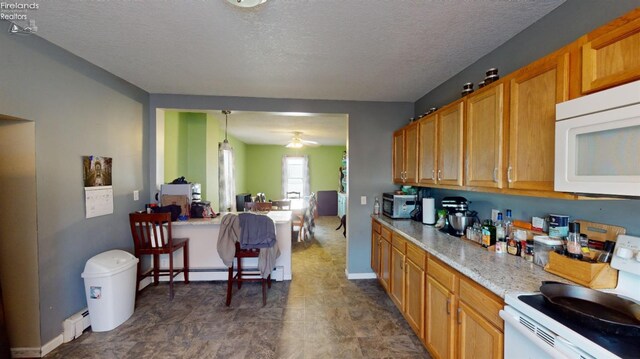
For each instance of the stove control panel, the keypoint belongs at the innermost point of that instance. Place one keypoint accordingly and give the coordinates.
(626, 256)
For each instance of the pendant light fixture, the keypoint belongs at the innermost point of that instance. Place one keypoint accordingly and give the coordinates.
(225, 145)
(247, 3)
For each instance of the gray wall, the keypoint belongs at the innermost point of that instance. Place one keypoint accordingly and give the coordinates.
(78, 109)
(568, 22)
(370, 125)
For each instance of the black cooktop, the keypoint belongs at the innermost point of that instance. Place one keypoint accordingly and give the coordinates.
(625, 347)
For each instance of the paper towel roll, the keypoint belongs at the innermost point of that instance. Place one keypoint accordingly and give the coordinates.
(429, 211)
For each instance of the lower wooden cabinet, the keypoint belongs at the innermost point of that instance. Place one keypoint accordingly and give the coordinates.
(439, 331)
(454, 316)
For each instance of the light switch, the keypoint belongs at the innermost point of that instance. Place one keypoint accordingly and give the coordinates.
(136, 195)
(363, 200)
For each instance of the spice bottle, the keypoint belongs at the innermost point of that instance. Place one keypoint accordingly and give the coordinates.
(376, 207)
(573, 240)
(488, 234)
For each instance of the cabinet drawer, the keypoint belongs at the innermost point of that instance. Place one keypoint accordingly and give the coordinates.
(375, 225)
(442, 273)
(485, 303)
(416, 255)
(385, 233)
(398, 242)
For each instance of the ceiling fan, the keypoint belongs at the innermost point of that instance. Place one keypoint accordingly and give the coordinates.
(297, 142)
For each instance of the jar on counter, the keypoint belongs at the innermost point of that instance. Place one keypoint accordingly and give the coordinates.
(488, 234)
(528, 252)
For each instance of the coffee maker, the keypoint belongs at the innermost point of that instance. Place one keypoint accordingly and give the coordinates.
(458, 215)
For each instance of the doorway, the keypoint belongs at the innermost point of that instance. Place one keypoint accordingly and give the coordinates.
(18, 225)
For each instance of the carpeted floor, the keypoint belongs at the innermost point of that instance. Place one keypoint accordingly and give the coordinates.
(319, 314)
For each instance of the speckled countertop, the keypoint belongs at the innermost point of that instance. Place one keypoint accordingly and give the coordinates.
(499, 273)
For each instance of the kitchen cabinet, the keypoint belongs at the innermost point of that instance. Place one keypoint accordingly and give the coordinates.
(427, 149)
(375, 247)
(439, 330)
(397, 270)
(535, 91)
(385, 258)
(415, 288)
(450, 144)
(405, 154)
(611, 54)
(485, 137)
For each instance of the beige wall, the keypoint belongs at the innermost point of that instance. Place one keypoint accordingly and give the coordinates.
(18, 243)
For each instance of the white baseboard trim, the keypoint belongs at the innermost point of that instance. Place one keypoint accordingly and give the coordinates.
(37, 352)
(52, 344)
(360, 275)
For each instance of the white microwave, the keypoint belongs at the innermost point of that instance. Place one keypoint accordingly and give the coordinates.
(597, 144)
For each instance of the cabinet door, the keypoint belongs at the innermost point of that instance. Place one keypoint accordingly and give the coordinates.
(485, 138)
(398, 156)
(535, 91)
(427, 153)
(450, 144)
(439, 330)
(477, 338)
(612, 56)
(414, 296)
(397, 277)
(385, 264)
(375, 252)
(411, 153)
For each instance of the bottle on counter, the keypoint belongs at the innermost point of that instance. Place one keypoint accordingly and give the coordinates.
(488, 234)
(508, 225)
(573, 240)
(376, 207)
(501, 242)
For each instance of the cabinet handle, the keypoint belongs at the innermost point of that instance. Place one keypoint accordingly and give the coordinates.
(448, 306)
(509, 174)
(495, 174)
(458, 315)
(433, 175)
(439, 175)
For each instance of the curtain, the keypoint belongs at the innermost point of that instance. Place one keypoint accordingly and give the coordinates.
(305, 176)
(226, 178)
(284, 177)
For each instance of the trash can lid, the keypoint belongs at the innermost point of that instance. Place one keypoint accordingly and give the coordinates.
(108, 263)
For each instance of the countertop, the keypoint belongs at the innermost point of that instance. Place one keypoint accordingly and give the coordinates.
(499, 273)
(277, 216)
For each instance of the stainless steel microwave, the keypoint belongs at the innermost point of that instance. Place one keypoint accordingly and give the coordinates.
(598, 143)
(398, 206)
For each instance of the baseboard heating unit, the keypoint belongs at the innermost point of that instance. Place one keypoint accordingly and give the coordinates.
(75, 325)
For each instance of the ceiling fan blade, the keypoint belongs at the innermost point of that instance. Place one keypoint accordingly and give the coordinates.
(309, 142)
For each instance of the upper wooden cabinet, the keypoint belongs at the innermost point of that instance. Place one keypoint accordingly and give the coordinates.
(535, 91)
(427, 149)
(405, 154)
(450, 144)
(485, 139)
(611, 55)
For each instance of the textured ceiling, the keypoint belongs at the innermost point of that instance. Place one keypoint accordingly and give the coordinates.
(371, 50)
(363, 50)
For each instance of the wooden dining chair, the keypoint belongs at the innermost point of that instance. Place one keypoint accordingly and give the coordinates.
(293, 194)
(283, 205)
(152, 236)
(244, 275)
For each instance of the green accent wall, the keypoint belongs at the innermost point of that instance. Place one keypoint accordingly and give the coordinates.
(264, 172)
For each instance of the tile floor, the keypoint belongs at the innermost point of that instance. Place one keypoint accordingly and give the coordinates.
(319, 314)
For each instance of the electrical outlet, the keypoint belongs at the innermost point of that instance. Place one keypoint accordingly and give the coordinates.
(494, 214)
(363, 200)
(136, 195)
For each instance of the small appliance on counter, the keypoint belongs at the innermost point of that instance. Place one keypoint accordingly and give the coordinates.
(398, 206)
(458, 215)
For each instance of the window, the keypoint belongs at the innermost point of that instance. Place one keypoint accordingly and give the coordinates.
(295, 175)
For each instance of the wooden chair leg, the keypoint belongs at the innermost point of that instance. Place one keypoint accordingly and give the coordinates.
(171, 276)
(269, 281)
(230, 285)
(185, 267)
(264, 292)
(239, 273)
(156, 269)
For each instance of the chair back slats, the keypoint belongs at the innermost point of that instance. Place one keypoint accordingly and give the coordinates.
(151, 231)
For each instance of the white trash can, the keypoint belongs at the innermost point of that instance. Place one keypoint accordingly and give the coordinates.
(110, 286)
